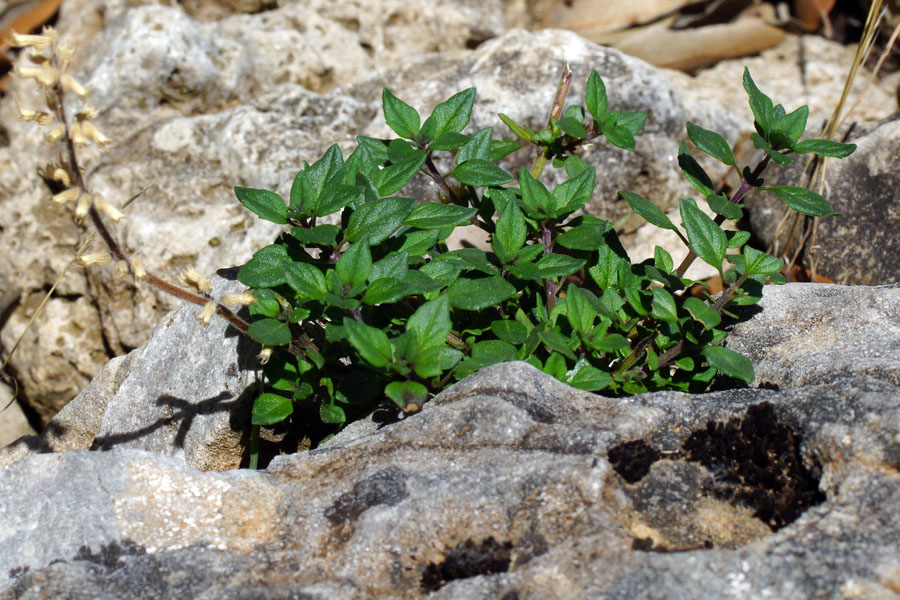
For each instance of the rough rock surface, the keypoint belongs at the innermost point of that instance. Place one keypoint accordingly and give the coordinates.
(813, 333)
(186, 393)
(509, 484)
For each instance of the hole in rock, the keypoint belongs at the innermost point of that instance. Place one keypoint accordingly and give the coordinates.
(465, 560)
(754, 461)
(632, 460)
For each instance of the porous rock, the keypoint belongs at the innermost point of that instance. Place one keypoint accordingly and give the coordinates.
(505, 485)
(186, 393)
(814, 333)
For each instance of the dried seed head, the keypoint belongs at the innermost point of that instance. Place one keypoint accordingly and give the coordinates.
(38, 58)
(95, 134)
(41, 118)
(108, 209)
(46, 76)
(86, 113)
(192, 278)
(121, 268)
(61, 175)
(65, 55)
(264, 355)
(73, 85)
(82, 207)
(138, 265)
(68, 195)
(39, 42)
(55, 134)
(95, 259)
(76, 134)
(208, 311)
(244, 298)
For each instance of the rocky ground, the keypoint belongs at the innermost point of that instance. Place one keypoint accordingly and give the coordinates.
(508, 485)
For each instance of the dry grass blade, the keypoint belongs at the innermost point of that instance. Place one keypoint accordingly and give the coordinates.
(40, 309)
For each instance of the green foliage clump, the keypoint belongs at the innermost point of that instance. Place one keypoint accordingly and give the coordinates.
(379, 306)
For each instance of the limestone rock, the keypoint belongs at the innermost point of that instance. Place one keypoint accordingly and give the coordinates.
(508, 484)
(186, 393)
(805, 333)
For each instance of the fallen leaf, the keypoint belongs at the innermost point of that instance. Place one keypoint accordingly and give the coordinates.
(591, 17)
(691, 49)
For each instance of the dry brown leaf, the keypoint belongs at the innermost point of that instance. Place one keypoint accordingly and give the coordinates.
(812, 12)
(691, 49)
(590, 17)
(21, 16)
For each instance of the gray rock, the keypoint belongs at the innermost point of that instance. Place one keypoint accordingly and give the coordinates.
(186, 393)
(508, 484)
(803, 333)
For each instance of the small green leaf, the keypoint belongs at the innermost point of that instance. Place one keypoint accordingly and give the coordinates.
(632, 121)
(760, 263)
(477, 147)
(500, 149)
(701, 312)
(394, 265)
(793, 125)
(510, 331)
(434, 215)
(408, 395)
(774, 154)
(265, 268)
(663, 260)
(480, 173)
(760, 104)
(385, 291)
(395, 177)
(520, 130)
(476, 294)
(572, 127)
(721, 206)
(558, 265)
(270, 332)
(510, 231)
(729, 362)
(400, 116)
(377, 220)
(371, 343)
(707, 239)
(557, 342)
(736, 239)
(536, 199)
(664, 307)
(711, 143)
(693, 172)
(305, 279)
(825, 148)
(652, 213)
(268, 205)
(269, 409)
(595, 96)
(580, 312)
(330, 413)
(804, 201)
(452, 115)
(431, 322)
(618, 136)
(586, 234)
(573, 193)
(590, 379)
(322, 235)
(355, 264)
(449, 141)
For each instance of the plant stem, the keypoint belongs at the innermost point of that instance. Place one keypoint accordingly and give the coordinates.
(555, 111)
(112, 245)
(432, 171)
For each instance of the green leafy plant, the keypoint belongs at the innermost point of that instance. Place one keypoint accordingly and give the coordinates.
(378, 305)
